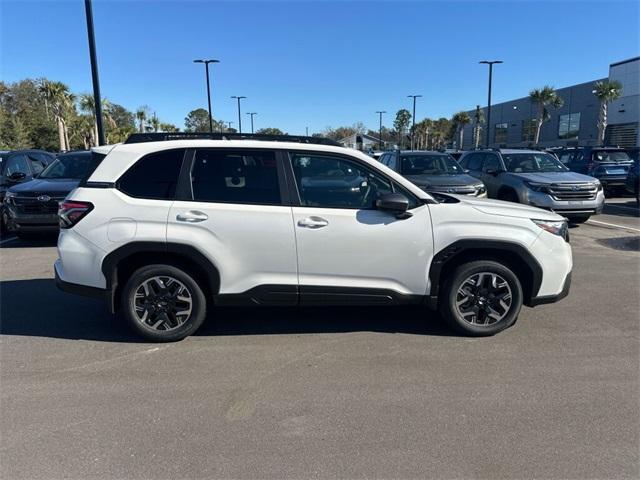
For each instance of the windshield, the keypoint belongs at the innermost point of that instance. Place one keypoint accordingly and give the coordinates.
(429, 165)
(73, 166)
(532, 162)
(607, 156)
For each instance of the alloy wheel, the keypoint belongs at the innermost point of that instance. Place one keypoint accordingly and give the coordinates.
(484, 298)
(162, 303)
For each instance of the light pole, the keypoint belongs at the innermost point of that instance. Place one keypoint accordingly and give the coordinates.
(380, 112)
(306, 129)
(239, 115)
(206, 67)
(229, 127)
(490, 63)
(94, 72)
(413, 118)
(252, 114)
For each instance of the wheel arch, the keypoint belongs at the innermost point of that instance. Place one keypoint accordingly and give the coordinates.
(513, 255)
(118, 265)
(507, 189)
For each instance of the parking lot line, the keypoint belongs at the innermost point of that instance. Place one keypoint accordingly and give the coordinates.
(7, 240)
(614, 225)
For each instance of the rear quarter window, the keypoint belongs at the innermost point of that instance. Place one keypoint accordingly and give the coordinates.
(154, 176)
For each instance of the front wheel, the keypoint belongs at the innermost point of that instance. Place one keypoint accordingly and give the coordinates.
(163, 303)
(481, 298)
(578, 218)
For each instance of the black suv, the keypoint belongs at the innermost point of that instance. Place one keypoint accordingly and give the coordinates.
(18, 166)
(433, 172)
(610, 165)
(32, 207)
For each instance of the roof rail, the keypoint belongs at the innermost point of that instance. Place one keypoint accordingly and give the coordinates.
(162, 137)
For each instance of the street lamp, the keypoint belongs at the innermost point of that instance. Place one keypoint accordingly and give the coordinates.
(413, 118)
(252, 114)
(94, 72)
(490, 63)
(239, 116)
(380, 129)
(206, 66)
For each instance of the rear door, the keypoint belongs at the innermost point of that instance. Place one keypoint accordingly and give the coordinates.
(234, 209)
(345, 245)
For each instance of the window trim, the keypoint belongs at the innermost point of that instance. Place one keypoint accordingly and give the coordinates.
(184, 190)
(295, 194)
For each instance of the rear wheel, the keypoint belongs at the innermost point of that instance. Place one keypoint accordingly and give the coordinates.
(481, 298)
(163, 303)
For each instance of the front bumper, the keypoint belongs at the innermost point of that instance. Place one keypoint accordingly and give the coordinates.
(542, 300)
(562, 207)
(28, 222)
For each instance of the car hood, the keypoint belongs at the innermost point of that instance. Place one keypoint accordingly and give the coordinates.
(42, 185)
(555, 177)
(507, 209)
(442, 180)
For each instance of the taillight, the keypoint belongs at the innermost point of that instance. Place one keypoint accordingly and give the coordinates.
(71, 212)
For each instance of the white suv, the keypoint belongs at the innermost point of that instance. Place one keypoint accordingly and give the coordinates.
(169, 226)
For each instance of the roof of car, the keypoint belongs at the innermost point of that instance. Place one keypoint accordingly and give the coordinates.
(422, 152)
(123, 155)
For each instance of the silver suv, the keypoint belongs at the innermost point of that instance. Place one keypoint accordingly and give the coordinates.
(536, 178)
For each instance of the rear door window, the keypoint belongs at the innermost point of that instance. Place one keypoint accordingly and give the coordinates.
(245, 177)
(17, 163)
(474, 162)
(154, 176)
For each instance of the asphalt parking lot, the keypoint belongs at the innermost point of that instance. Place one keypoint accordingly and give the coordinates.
(327, 393)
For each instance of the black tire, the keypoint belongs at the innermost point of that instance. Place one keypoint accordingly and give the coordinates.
(509, 196)
(578, 218)
(450, 296)
(165, 331)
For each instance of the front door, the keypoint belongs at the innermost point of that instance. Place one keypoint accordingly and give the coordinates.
(347, 246)
(491, 171)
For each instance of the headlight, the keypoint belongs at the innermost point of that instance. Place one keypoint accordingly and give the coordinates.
(480, 189)
(598, 185)
(559, 228)
(537, 187)
(9, 195)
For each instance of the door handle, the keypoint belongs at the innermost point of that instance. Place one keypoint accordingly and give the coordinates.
(313, 222)
(192, 216)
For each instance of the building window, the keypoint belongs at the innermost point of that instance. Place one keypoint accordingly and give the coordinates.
(569, 126)
(500, 133)
(529, 130)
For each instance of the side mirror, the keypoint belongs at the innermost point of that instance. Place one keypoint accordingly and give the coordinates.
(394, 203)
(493, 171)
(16, 176)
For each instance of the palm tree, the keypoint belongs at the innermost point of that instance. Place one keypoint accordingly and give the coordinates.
(478, 119)
(154, 122)
(606, 91)
(87, 104)
(461, 119)
(544, 97)
(58, 97)
(141, 116)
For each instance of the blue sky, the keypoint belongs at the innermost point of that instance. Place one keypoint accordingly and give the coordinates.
(316, 64)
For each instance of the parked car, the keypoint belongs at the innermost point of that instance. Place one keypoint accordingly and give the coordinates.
(536, 178)
(18, 166)
(434, 172)
(610, 165)
(32, 207)
(456, 154)
(632, 182)
(168, 227)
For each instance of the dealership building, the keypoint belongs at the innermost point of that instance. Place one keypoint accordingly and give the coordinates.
(575, 123)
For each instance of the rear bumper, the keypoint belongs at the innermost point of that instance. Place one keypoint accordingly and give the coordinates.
(83, 290)
(553, 298)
